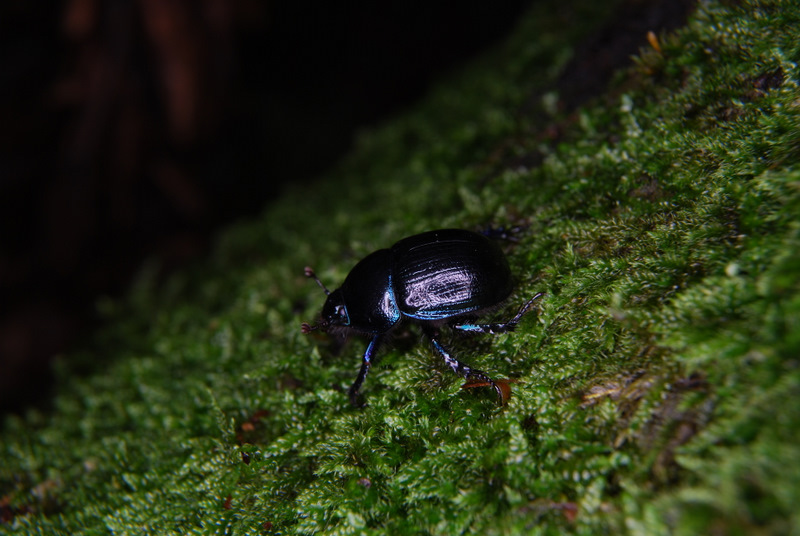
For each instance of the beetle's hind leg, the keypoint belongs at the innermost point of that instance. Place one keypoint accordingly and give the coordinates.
(460, 368)
(503, 327)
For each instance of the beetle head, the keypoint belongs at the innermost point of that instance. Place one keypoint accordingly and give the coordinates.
(334, 314)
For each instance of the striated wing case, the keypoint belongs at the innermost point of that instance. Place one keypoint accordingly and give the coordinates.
(449, 272)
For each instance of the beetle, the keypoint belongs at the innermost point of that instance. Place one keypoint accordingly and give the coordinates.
(444, 277)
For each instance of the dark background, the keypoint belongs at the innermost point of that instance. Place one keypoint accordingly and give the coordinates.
(132, 129)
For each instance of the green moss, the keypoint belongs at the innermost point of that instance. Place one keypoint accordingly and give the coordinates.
(658, 385)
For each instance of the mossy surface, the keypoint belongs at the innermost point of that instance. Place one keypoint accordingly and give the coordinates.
(658, 384)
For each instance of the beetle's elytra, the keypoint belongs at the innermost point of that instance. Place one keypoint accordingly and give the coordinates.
(449, 276)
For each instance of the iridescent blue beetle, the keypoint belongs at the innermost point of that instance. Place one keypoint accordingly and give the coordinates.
(446, 277)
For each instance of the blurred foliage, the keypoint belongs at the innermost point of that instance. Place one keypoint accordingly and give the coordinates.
(657, 385)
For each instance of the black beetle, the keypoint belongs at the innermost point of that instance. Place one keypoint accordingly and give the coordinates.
(449, 276)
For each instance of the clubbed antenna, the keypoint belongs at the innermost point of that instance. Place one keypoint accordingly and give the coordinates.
(310, 273)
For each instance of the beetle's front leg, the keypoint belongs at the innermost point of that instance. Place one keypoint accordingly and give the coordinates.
(366, 362)
(503, 327)
(458, 367)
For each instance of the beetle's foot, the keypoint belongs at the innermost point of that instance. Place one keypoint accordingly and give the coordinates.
(354, 398)
(501, 386)
(502, 233)
(503, 389)
(477, 378)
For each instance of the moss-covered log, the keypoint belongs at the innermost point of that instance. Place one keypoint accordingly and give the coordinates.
(657, 388)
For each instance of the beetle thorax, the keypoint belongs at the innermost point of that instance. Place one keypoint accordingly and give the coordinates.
(366, 298)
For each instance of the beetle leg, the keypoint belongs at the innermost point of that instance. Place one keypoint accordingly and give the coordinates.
(503, 327)
(365, 364)
(458, 367)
